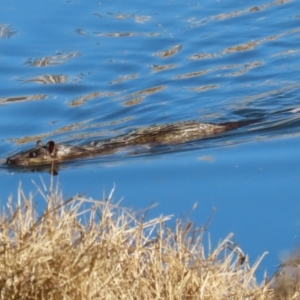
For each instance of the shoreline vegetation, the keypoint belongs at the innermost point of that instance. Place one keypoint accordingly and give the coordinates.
(81, 248)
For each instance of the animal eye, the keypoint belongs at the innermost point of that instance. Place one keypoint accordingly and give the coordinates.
(32, 154)
(51, 147)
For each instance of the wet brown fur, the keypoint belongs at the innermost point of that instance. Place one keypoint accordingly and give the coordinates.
(175, 133)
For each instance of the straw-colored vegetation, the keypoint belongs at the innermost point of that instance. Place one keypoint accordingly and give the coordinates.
(86, 249)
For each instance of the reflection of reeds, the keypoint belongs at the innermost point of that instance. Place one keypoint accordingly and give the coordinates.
(82, 99)
(22, 98)
(6, 31)
(169, 52)
(113, 254)
(47, 79)
(52, 60)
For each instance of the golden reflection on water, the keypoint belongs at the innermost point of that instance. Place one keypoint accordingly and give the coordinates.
(124, 78)
(237, 13)
(123, 16)
(74, 127)
(146, 92)
(246, 68)
(142, 19)
(4, 100)
(205, 88)
(243, 68)
(82, 99)
(243, 47)
(47, 79)
(134, 101)
(193, 74)
(203, 56)
(52, 60)
(253, 44)
(289, 52)
(34, 138)
(125, 34)
(158, 68)
(207, 158)
(169, 52)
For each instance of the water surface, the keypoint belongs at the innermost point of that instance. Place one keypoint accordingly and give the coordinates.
(75, 72)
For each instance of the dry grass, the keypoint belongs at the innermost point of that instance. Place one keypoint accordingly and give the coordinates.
(287, 279)
(107, 252)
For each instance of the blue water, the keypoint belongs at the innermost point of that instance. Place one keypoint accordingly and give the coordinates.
(76, 72)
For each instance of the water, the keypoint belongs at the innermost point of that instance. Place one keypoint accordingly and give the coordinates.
(75, 72)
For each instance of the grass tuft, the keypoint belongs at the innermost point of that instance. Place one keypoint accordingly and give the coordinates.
(81, 248)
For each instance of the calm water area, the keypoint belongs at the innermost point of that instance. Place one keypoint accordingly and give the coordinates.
(80, 71)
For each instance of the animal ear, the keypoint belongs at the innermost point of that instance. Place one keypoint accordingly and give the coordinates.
(39, 144)
(50, 147)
